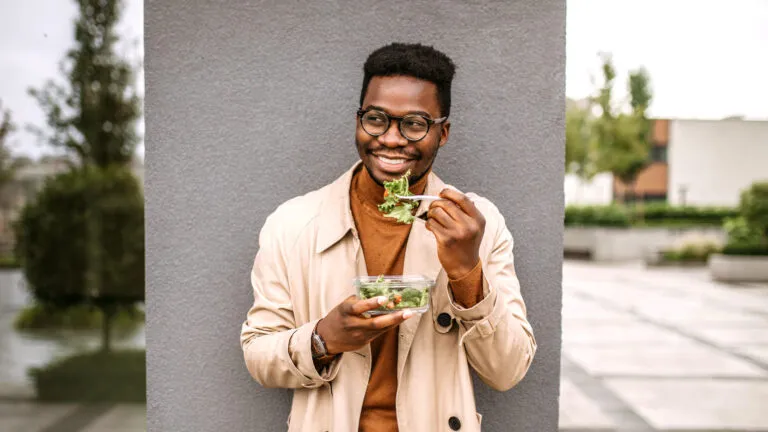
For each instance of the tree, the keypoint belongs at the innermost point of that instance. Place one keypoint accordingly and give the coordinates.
(623, 144)
(579, 143)
(81, 241)
(93, 116)
(9, 164)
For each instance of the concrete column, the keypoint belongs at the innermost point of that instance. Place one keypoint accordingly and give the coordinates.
(250, 103)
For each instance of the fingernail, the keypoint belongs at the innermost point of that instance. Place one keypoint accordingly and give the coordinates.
(383, 300)
(407, 314)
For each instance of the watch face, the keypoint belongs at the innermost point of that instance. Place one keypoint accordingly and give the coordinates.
(318, 344)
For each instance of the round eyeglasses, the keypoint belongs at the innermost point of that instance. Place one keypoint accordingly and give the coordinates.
(413, 127)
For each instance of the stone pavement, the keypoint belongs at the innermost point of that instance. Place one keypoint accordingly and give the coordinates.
(27, 416)
(643, 350)
(662, 349)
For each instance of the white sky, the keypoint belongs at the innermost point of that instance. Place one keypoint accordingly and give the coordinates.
(707, 58)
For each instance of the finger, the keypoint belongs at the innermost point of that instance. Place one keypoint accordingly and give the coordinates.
(463, 201)
(457, 215)
(383, 323)
(440, 232)
(346, 305)
(362, 306)
(440, 216)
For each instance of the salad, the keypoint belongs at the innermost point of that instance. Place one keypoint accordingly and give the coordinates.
(402, 292)
(392, 206)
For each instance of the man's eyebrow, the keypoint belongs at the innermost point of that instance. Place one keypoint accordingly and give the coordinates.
(424, 113)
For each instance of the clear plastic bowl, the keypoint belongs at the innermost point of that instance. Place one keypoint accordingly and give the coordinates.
(410, 292)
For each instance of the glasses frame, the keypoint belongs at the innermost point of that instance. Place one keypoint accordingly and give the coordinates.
(361, 112)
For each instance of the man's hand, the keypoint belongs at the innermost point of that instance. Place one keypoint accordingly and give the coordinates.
(346, 329)
(458, 227)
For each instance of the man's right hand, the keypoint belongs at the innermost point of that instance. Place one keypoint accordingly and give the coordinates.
(346, 329)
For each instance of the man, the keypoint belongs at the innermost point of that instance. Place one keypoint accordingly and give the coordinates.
(306, 329)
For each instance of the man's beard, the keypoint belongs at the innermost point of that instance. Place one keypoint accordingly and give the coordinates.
(413, 178)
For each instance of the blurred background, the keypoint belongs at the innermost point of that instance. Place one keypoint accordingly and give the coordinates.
(665, 278)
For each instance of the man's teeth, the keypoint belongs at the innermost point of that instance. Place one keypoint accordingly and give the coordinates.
(392, 161)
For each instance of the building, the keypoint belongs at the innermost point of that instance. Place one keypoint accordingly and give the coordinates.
(692, 162)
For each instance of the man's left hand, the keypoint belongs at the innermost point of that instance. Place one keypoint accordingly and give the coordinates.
(458, 227)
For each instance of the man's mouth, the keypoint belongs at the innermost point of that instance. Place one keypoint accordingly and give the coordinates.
(394, 161)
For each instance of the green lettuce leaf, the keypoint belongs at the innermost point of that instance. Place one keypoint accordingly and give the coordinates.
(392, 206)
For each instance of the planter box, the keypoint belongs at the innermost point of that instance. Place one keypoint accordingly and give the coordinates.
(627, 244)
(738, 268)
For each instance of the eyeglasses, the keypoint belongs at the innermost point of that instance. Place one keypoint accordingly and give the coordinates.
(413, 127)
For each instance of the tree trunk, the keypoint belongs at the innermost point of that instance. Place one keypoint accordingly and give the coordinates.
(107, 314)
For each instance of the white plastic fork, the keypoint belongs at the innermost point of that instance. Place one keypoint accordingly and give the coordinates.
(419, 197)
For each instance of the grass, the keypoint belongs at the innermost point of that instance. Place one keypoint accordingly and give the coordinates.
(38, 317)
(117, 376)
(9, 262)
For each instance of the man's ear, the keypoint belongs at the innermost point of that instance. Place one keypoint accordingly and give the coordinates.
(445, 130)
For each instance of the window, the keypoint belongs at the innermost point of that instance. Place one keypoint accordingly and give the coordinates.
(659, 153)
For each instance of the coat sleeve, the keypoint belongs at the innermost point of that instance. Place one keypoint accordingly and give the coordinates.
(278, 352)
(495, 332)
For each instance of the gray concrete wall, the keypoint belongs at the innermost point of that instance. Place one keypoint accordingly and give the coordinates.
(250, 103)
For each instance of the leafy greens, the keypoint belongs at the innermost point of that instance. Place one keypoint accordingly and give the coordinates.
(399, 298)
(392, 206)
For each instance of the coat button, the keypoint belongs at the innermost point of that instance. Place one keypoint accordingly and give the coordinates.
(454, 423)
(444, 320)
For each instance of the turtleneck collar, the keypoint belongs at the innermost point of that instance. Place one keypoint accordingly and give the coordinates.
(372, 193)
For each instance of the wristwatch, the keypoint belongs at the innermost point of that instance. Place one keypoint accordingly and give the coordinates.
(319, 350)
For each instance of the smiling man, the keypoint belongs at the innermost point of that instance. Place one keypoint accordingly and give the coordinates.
(307, 331)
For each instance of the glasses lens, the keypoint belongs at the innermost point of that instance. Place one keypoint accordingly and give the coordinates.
(414, 127)
(375, 122)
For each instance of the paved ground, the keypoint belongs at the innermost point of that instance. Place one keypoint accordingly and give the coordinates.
(643, 350)
(662, 350)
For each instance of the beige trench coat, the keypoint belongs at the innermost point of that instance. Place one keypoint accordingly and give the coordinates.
(309, 254)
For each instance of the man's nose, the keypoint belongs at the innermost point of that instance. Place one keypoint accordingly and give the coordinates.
(392, 136)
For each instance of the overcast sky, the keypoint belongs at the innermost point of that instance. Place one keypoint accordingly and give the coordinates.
(707, 58)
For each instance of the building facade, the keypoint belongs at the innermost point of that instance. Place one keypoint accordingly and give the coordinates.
(692, 162)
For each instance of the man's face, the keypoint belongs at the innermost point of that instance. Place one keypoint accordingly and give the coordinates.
(390, 155)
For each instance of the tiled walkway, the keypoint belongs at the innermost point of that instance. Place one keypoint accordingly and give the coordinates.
(643, 350)
(662, 350)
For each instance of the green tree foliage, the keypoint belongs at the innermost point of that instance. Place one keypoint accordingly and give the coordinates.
(8, 163)
(93, 114)
(605, 136)
(754, 208)
(614, 139)
(579, 142)
(81, 241)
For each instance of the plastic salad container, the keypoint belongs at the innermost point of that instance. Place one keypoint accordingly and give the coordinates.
(404, 292)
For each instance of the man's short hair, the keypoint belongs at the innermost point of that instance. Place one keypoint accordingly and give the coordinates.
(414, 60)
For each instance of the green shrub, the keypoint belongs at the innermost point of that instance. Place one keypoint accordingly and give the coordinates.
(9, 262)
(80, 317)
(698, 253)
(117, 376)
(745, 249)
(748, 233)
(651, 215)
(660, 214)
(607, 216)
(754, 209)
(81, 241)
(740, 232)
(693, 247)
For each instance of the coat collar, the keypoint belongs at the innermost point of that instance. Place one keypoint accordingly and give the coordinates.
(335, 215)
